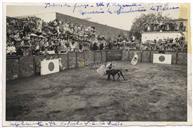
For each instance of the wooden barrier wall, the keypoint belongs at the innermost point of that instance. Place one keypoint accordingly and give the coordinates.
(12, 68)
(26, 66)
(147, 56)
(114, 55)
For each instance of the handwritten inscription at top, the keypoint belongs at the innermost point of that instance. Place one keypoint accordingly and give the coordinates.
(111, 8)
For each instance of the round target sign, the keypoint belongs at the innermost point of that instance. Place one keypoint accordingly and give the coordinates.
(51, 66)
(162, 58)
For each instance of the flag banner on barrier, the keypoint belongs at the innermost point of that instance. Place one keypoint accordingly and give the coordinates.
(162, 58)
(49, 66)
(134, 60)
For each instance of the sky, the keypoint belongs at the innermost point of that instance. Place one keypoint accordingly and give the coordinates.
(80, 10)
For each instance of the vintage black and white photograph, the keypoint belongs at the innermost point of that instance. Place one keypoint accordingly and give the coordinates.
(97, 61)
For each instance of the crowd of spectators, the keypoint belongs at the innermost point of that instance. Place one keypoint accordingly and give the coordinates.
(170, 44)
(165, 26)
(32, 36)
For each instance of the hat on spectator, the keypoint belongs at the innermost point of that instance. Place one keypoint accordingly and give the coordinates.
(41, 36)
(17, 37)
(26, 38)
(33, 35)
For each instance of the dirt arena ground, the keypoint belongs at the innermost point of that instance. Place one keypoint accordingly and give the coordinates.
(152, 92)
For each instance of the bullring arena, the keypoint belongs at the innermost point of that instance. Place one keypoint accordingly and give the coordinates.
(52, 67)
(151, 92)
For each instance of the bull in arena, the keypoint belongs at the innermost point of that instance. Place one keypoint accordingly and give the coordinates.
(109, 71)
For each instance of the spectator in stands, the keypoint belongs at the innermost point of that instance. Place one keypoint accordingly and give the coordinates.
(101, 46)
(19, 51)
(11, 50)
(80, 47)
(73, 45)
(95, 47)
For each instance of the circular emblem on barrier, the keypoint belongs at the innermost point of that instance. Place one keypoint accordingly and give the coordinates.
(51, 66)
(161, 58)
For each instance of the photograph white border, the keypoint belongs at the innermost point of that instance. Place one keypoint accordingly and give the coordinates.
(87, 123)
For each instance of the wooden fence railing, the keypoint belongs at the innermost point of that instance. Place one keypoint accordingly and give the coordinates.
(26, 66)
